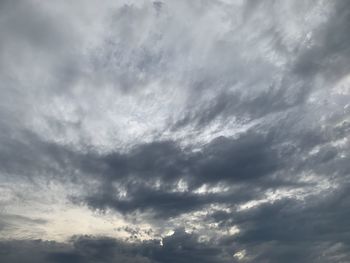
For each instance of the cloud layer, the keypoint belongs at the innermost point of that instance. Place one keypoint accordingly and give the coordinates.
(174, 131)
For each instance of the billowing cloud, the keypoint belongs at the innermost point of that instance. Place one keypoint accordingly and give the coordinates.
(174, 131)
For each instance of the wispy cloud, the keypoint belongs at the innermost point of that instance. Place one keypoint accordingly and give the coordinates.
(174, 131)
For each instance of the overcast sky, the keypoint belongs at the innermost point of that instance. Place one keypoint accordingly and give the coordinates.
(174, 131)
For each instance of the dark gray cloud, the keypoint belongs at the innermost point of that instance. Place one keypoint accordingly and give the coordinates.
(226, 121)
(295, 230)
(179, 247)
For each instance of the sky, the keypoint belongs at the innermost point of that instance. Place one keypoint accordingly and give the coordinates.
(174, 131)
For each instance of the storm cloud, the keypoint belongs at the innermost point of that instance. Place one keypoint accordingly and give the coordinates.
(174, 131)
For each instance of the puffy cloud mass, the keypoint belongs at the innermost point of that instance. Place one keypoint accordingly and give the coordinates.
(174, 131)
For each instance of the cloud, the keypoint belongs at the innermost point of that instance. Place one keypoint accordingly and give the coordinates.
(296, 230)
(180, 247)
(224, 122)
